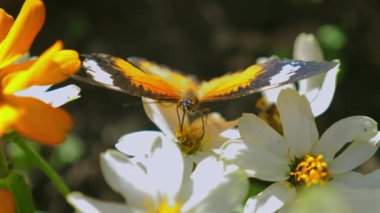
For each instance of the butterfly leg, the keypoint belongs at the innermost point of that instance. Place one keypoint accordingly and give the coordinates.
(181, 121)
(200, 113)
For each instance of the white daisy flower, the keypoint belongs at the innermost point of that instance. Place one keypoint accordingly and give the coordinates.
(301, 158)
(160, 181)
(319, 89)
(197, 140)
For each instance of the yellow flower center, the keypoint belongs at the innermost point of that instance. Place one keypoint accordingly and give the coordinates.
(189, 139)
(269, 114)
(311, 170)
(165, 208)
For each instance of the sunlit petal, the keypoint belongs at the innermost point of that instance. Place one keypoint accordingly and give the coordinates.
(306, 48)
(46, 70)
(164, 115)
(356, 154)
(320, 90)
(137, 143)
(271, 199)
(256, 161)
(254, 130)
(300, 130)
(24, 30)
(210, 180)
(86, 204)
(346, 130)
(6, 22)
(166, 168)
(271, 95)
(127, 178)
(56, 97)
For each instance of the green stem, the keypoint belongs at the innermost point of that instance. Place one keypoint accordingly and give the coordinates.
(4, 170)
(44, 166)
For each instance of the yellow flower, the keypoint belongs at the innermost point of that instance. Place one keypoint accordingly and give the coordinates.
(31, 117)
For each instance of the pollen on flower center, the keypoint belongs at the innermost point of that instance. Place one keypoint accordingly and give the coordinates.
(165, 208)
(311, 170)
(189, 139)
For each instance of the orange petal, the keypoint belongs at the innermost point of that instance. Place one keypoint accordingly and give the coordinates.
(68, 61)
(7, 203)
(8, 116)
(39, 121)
(6, 22)
(24, 30)
(13, 68)
(52, 67)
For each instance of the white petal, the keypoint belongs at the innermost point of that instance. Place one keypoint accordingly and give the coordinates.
(205, 177)
(211, 181)
(85, 204)
(300, 130)
(271, 199)
(166, 169)
(360, 199)
(128, 178)
(357, 153)
(254, 130)
(137, 143)
(356, 180)
(187, 184)
(319, 90)
(317, 199)
(231, 134)
(271, 95)
(256, 161)
(346, 130)
(56, 97)
(306, 48)
(164, 115)
(214, 126)
(200, 155)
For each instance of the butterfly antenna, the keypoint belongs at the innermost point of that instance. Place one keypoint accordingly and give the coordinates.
(139, 103)
(131, 104)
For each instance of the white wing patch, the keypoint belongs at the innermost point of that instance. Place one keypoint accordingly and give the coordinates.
(98, 74)
(285, 73)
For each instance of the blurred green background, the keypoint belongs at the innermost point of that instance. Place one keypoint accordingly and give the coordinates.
(204, 38)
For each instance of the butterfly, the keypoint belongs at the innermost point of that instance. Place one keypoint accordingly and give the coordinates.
(140, 77)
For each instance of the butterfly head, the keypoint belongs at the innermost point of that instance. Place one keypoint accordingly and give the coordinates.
(189, 103)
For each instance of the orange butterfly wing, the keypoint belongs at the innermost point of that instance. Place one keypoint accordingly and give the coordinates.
(260, 77)
(125, 76)
(180, 82)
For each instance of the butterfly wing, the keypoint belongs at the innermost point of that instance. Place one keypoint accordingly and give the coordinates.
(124, 76)
(260, 77)
(178, 81)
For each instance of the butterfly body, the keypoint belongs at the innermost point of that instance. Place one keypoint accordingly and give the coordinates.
(139, 77)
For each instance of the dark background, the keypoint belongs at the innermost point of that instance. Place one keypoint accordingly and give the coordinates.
(204, 38)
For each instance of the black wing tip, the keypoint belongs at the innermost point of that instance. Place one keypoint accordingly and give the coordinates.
(96, 57)
(327, 64)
